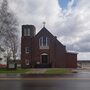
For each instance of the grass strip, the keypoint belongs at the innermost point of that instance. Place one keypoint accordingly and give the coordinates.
(58, 71)
(19, 70)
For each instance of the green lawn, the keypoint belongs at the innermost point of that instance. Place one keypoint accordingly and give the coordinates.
(19, 70)
(47, 71)
(58, 71)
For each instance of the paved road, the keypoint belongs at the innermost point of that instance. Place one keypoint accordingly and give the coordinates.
(78, 81)
(45, 84)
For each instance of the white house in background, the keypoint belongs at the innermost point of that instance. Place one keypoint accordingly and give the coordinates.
(84, 64)
(3, 58)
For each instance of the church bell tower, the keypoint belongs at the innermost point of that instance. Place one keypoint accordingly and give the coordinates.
(28, 33)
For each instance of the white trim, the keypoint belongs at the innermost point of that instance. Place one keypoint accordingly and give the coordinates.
(44, 54)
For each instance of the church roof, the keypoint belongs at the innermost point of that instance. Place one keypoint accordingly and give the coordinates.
(44, 30)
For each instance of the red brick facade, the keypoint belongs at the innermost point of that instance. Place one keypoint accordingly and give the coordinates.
(44, 50)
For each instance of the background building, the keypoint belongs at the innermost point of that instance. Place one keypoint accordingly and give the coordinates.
(3, 58)
(84, 64)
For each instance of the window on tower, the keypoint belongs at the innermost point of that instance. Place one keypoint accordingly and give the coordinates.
(27, 61)
(26, 31)
(27, 50)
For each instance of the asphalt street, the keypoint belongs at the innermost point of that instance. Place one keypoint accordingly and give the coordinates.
(77, 81)
(45, 84)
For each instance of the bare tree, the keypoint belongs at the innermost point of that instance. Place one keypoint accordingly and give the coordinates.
(11, 44)
(8, 29)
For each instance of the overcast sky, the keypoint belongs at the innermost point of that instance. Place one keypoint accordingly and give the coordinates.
(69, 20)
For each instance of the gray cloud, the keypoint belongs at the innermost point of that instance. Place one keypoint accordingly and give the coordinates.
(71, 26)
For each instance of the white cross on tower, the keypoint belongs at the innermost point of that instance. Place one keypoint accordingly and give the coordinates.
(44, 24)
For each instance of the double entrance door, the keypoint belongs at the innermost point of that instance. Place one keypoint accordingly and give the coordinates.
(44, 59)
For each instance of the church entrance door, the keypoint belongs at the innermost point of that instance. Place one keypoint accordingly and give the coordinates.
(44, 59)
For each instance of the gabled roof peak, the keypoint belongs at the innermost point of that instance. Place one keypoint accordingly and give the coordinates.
(44, 28)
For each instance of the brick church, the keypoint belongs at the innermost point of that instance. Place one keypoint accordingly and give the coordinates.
(43, 50)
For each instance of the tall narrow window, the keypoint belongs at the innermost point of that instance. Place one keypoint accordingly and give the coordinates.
(27, 62)
(40, 42)
(44, 43)
(27, 32)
